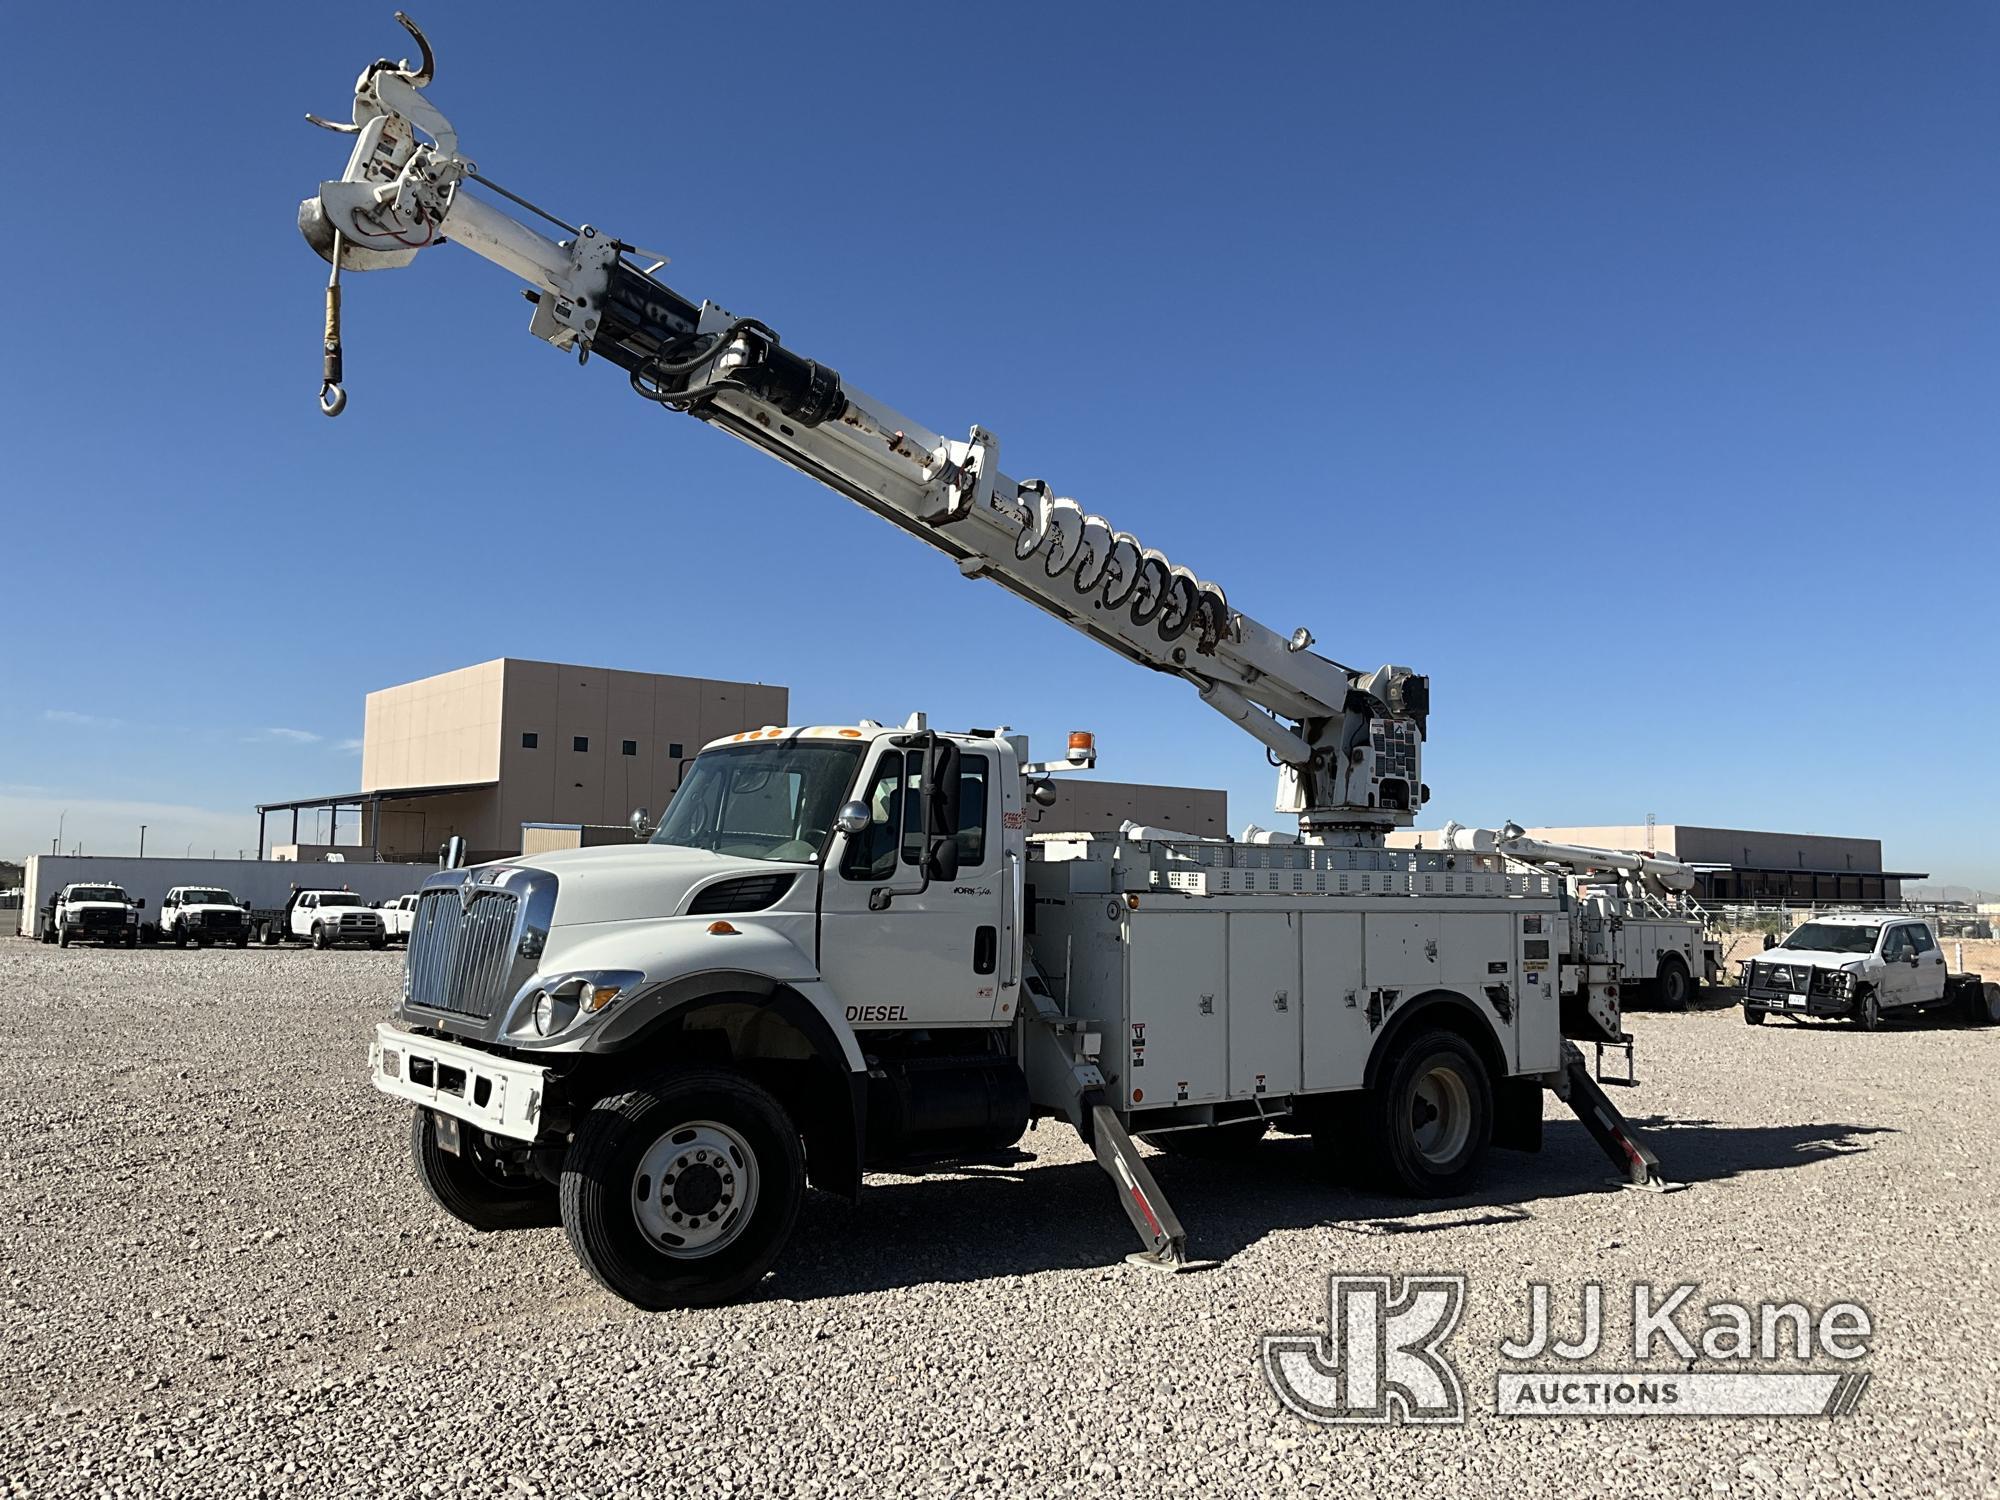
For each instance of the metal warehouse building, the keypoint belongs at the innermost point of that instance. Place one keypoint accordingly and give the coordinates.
(568, 752)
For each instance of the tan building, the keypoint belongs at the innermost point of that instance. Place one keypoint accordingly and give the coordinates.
(480, 751)
(525, 756)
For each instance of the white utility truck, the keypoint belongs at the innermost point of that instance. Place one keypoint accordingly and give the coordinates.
(203, 915)
(1634, 918)
(93, 914)
(841, 945)
(1865, 967)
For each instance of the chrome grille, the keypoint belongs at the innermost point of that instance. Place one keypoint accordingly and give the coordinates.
(462, 956)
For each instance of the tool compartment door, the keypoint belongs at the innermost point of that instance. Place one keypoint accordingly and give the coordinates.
(1337, 1036)
(1178, 1005)
(1264, 1008)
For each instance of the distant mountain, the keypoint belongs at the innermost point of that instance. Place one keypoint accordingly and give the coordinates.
(1963, 893)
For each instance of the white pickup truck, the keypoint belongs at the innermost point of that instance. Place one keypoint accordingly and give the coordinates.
(1861, 967)
(325, 918)
(203, 914)
(399, 914)
(94, 913)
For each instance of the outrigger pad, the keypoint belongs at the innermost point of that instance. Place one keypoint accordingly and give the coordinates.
(1144, 1204)
(1639, 1168)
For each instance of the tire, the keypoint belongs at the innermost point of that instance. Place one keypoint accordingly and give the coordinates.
(179, 936)
(48, 932)
(1675, 987)
(319, 936)
(1428, 1121)
(624, 1152)
(62, 937)
(1868, 1012)
(1217, 1143)
(270, 934)
(477, 1191)
(242, 940)
(1752, 1017)
(378, 943)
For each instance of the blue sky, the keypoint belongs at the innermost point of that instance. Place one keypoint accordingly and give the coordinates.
(1629, 368)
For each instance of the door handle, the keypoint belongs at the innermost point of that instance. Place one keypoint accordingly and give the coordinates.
(985, 949)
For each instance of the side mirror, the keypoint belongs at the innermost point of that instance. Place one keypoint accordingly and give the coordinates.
(1911, 957)
(943, 782)
(452, 855)
(642, 826)
(140, 904)
(852, 818)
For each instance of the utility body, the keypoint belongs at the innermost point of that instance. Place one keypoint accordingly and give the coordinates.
(1636, 924)
(850, 943)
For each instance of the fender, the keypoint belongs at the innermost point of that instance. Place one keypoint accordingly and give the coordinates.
(1436, 1006)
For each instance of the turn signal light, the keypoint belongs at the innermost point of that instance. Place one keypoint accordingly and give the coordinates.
(721, 929)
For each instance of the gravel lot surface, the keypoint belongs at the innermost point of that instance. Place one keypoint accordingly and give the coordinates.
(223, 1280)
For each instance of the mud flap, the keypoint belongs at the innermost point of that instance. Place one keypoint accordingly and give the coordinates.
(1629, 1156)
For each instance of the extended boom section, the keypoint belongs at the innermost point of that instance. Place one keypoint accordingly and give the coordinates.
(1348, 743)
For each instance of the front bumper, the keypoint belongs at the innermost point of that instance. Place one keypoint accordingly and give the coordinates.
(494, 1094)
(1782, 1003)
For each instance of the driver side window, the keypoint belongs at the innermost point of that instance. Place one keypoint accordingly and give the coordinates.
(1894, 947)
(871, 854)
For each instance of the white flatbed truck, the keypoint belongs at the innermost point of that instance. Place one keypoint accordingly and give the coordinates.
(841, 945)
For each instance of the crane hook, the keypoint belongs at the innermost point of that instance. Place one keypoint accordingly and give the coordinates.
(427, 69)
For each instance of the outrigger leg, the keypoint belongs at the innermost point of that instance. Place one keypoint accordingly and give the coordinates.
(1630, 1156)
(1062, 1069)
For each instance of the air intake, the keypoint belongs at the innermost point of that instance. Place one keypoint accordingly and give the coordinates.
(745, 893)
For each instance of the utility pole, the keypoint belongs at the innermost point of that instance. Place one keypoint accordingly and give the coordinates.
(142, 841)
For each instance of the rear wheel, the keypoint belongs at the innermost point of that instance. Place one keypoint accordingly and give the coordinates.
(1215, 1143)
(1676, 986)
(1982, 1004)
(682, 1191)
(1426, 1124)
(476, 1187)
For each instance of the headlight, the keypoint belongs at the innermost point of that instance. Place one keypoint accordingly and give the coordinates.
(559, 1000)
(131, 916)
(545, 1013)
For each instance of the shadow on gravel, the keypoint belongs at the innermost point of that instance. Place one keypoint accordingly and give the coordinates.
(990, 1222)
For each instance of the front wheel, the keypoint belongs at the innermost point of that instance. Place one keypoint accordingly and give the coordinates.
(179, 935)
(378, 943)
(1868, 1013)
(1752, 1016)
(62, 937)
(1428, 1121)
(682, 1191)
(242, 939)
(319, 936)
(475, 1187)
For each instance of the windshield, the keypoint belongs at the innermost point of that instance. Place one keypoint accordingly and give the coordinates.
(774, 800)
(340, 898)
(207, 898)
(97, 893)
(1833, 937)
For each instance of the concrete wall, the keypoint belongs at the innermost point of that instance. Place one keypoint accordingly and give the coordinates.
(310, 853)
(1091, 806)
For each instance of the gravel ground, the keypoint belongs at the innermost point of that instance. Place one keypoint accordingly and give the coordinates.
(223, 1280)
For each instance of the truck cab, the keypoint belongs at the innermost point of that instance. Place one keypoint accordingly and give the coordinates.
(94, 913)
(1855, 966)
(202, 915)
(397, 914)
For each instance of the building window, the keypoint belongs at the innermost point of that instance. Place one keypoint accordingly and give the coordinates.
(674, 750)
(631, 747)
(529, 739)
(580, 743)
